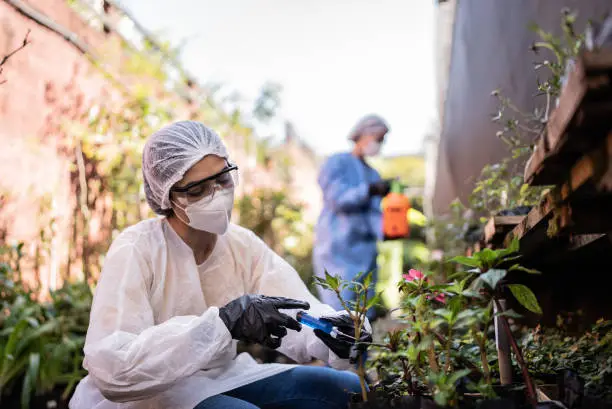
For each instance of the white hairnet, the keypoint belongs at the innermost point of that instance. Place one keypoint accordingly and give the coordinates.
(368, 124)
(169, 153)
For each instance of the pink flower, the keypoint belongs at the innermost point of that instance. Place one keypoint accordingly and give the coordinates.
(413, 275)
(417, 275)
(441, 298)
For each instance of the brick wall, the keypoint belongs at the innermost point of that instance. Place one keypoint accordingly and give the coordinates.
(49, 83)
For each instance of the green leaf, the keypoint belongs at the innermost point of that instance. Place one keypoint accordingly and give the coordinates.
(374, 301)
(457, 287)
(328, 282)
(466, 261)
(514, 247)
(332, 281)
(444, 313)
(13, 340)
(525, 297)
(487, 256)
(437, 322)
(29, 380)
(35, 334)
(518, 267)
(13, 371)
(367, 280)
(440, 399)
(472, 293)
(509, 314)
(454, 377)
(493, 277)
(455, 304)
(508, 258)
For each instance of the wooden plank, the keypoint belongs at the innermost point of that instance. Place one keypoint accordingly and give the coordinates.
(589, 215)
(542, 395)
(581, 240)
(570, 99)
(580, 121)
(498, 226)
(592, 174)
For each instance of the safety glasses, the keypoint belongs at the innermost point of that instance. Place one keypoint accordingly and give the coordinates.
(206, 188)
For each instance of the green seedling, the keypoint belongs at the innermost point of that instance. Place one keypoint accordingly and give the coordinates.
(356, 307)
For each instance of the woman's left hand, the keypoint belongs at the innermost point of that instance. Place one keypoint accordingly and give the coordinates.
(344, 342)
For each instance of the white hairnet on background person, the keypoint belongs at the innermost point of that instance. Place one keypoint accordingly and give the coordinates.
(172, 151)
(368, 124)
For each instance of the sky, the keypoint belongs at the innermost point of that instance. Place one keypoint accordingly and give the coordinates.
(336, 60)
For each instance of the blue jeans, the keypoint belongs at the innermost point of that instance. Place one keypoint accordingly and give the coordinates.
(303, 387)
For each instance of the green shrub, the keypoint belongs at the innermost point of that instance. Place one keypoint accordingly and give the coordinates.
(41, 342)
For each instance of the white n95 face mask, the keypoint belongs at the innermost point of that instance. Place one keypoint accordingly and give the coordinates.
(211, 215)
(372, 148)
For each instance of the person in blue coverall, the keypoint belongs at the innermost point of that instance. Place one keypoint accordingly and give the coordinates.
(350, 223)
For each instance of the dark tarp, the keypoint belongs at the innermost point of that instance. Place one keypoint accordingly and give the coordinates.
(491, 50)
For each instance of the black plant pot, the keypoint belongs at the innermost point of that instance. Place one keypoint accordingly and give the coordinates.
(378, 400)
(509, 398)
(572, 392)
(515, 211)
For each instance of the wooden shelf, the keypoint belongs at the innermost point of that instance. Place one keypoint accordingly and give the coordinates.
(580, 205)
(578, 123)
(498, 227)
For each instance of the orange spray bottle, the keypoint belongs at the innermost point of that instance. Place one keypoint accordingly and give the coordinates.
(395, 207)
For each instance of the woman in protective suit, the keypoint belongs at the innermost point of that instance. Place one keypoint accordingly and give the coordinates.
(177, 291)
(350, 223)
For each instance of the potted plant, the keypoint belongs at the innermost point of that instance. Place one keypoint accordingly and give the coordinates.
(576, 368)
(445, 357)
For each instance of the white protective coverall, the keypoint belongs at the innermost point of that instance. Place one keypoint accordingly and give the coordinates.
(155, 338)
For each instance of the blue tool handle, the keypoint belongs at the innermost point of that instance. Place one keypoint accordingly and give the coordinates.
(315, 323)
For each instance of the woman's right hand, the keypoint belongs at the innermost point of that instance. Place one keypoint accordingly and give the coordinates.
(380, 188)
(255, 318)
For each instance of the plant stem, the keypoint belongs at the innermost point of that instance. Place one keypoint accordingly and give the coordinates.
(483, 358)
(24, 43)
(418, 338)
(356, 317)
(431, 354)
(343, 303)
(405, 369)
(373, 344)
(362, 383)
(83, 203)
(361, 364)
(447, 367)
(519, 357)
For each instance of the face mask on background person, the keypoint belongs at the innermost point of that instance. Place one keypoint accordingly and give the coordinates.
(372, 148)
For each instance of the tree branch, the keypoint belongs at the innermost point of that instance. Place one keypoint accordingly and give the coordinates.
(4, 59)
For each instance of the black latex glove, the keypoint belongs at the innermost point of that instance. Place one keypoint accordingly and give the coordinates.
(255, 318)
(380, 188)
(344, 346)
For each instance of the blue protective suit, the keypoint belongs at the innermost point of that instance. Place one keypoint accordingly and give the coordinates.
(350, 223)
